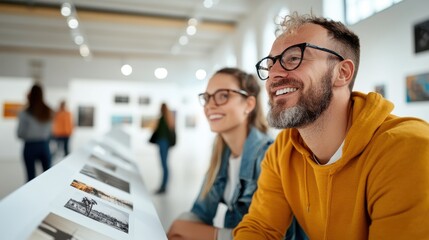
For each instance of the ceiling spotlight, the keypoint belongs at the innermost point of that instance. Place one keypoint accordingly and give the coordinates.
(72, 22)
(183, 40)
(208, 3)
(191, 30)
(200, 74)
(192, 22)
(84, 50)
(126, 69)
(78, 40)
(161, 73)
(66, 9)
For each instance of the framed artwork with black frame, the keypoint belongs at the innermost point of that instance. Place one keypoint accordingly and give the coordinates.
(421, 36)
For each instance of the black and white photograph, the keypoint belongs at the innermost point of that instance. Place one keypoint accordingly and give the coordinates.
(121, 99)
(112, 167)
(59, 228)
(98, 193)
(106, 178)
(99, 212)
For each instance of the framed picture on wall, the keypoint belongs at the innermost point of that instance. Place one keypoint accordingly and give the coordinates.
(421, 36)
(148, 122)
(418, 87)
(144, 100)
(11, 109)
(121, 120)
(85, 116)
(122, 99)
(190, 121)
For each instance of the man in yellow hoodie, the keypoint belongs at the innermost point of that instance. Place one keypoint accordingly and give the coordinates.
(344, 166)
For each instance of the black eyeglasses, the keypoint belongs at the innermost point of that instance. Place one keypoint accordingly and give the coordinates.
(220, 97)
(290, 59)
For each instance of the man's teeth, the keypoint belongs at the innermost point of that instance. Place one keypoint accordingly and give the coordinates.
(285, 90)
(215, 116)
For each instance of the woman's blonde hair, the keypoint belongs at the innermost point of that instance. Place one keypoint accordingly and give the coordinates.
(256, 118)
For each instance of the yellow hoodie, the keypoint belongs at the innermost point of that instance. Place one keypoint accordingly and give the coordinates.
(378, 189)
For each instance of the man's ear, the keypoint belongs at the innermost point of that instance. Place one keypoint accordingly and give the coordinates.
(345, 70)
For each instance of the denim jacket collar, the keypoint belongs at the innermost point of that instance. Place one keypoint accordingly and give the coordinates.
(251, 147)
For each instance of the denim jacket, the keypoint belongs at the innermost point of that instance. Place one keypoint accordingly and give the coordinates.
(253, 153)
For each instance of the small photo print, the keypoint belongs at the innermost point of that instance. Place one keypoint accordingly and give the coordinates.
(59, 228)
(98, 193)
(107, 165)
(106, 178)
(100, 212)
(122, 99)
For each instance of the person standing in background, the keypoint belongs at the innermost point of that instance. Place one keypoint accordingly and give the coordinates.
(233, 109)
(62, 128)
(34, 127)
(164, 137)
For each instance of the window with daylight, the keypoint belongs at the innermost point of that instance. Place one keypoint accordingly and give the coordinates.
(357, 10)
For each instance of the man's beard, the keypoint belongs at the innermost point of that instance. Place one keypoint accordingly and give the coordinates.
(309, 107)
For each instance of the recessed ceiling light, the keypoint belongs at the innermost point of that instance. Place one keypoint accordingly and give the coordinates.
(126, 69)
(161, 73)
(200, 74)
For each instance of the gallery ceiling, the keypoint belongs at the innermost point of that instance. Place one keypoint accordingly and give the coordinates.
(120, 28)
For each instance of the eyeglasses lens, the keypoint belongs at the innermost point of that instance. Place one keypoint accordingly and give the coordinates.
(220, 97)
(291, 58)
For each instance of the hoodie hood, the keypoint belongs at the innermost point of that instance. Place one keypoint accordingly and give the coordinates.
(368, 113)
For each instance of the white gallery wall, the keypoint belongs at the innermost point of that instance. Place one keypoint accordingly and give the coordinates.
(191, 125)
(387, 54)
(12, 90)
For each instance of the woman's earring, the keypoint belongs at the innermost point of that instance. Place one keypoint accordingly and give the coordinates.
(246, 112)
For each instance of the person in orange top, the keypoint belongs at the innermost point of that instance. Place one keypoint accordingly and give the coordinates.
(62, 127)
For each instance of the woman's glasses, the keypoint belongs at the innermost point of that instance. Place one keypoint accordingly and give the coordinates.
(220, 97)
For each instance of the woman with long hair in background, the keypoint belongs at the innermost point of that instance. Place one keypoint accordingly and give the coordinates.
(164, 136)
(34, 127)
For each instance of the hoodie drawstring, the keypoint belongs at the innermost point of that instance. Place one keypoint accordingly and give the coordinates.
(307, 201)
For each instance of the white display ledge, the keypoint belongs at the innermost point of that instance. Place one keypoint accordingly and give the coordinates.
(94, 193)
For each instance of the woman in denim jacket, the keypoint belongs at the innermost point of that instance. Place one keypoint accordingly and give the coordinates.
(232, 107)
